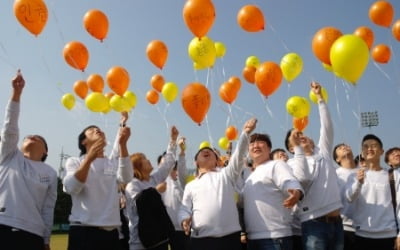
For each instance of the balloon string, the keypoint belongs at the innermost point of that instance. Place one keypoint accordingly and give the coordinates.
(279, 37)
(396, 71)
(209, 132)
(223, 69)
(269, 111)
(287, 114)
(382, 71)
(7, 58)
(358, 116)
(338, 108)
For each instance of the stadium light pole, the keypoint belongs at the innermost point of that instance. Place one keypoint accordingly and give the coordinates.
(369, 119)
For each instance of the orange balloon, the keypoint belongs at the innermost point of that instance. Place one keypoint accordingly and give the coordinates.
(109, 95)
(96, 24)
(381, 53)
(81, 88)
(157, 52)
(196, 100)
(157, 82)
(366, 34)
(228, 92)
(249, 73)
(268, 78)
(231, 133)
(396, 30)
(300, 123)
(95, 82)
(76, 55)
(235, 81)
(322, 43)
(152, 96)
(381, 13)
(250, 18)
(32, 14)
(118, 79)
(199, 16)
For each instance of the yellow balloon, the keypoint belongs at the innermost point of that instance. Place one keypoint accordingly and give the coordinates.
(349, 57)
(223, 143)
(253, 61)
(130, 97)
(68, 101)
(119, 103)
(220, 49)
(202, 51)
(291, 66)
(204, 144)
(314, 98)
(170, 91)
(190, 178)
(298, 106)
(197, 66)
(96, 102)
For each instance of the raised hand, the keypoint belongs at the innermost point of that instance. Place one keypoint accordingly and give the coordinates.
(18, 84)
(316, 88)
(294, 197)
(174, 133)
(250, 125)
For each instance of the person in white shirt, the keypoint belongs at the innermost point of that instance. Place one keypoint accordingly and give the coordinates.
(392, 157)
(146, 177)
(92, 181)
(28, 186)
(269, 194)
(343, 156)
(319, 212)
(172, 192)
(369, 190)
(208, 208)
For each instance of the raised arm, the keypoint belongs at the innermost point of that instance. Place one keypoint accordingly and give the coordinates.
(235, 164)
(181, 166)
(10, 132)
(162, 172)
(125, 169)
(326, 132)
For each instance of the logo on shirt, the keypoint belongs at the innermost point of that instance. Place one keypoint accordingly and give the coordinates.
(44, 178)
(305, 209)
(2, 209)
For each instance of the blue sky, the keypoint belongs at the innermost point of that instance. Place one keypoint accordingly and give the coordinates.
(290, 27)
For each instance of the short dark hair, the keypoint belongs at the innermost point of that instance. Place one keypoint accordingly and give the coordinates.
(358, 159)
(334, 155)
(372, 137)
(81, 137)
(160, 157)
(271, 155)
(287, 146)
(261, 137)
(388, 152)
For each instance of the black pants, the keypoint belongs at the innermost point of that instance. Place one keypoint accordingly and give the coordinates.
(374, 244)
(349, 240)
(228, 242)
(92, 238)
(12, 238)
(179, 241)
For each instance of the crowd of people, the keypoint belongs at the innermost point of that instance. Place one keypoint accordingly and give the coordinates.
(322, 197)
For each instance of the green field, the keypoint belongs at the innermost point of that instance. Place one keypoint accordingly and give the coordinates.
(58, 241)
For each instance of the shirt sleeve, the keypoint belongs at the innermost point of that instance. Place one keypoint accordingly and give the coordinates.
(10, 131)
(185, 210)
(326, 133)
(236, 161)
(301, 169)
(353, 188)
(161, 173)
(182, 170)
(125, 169)
(71, 184)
